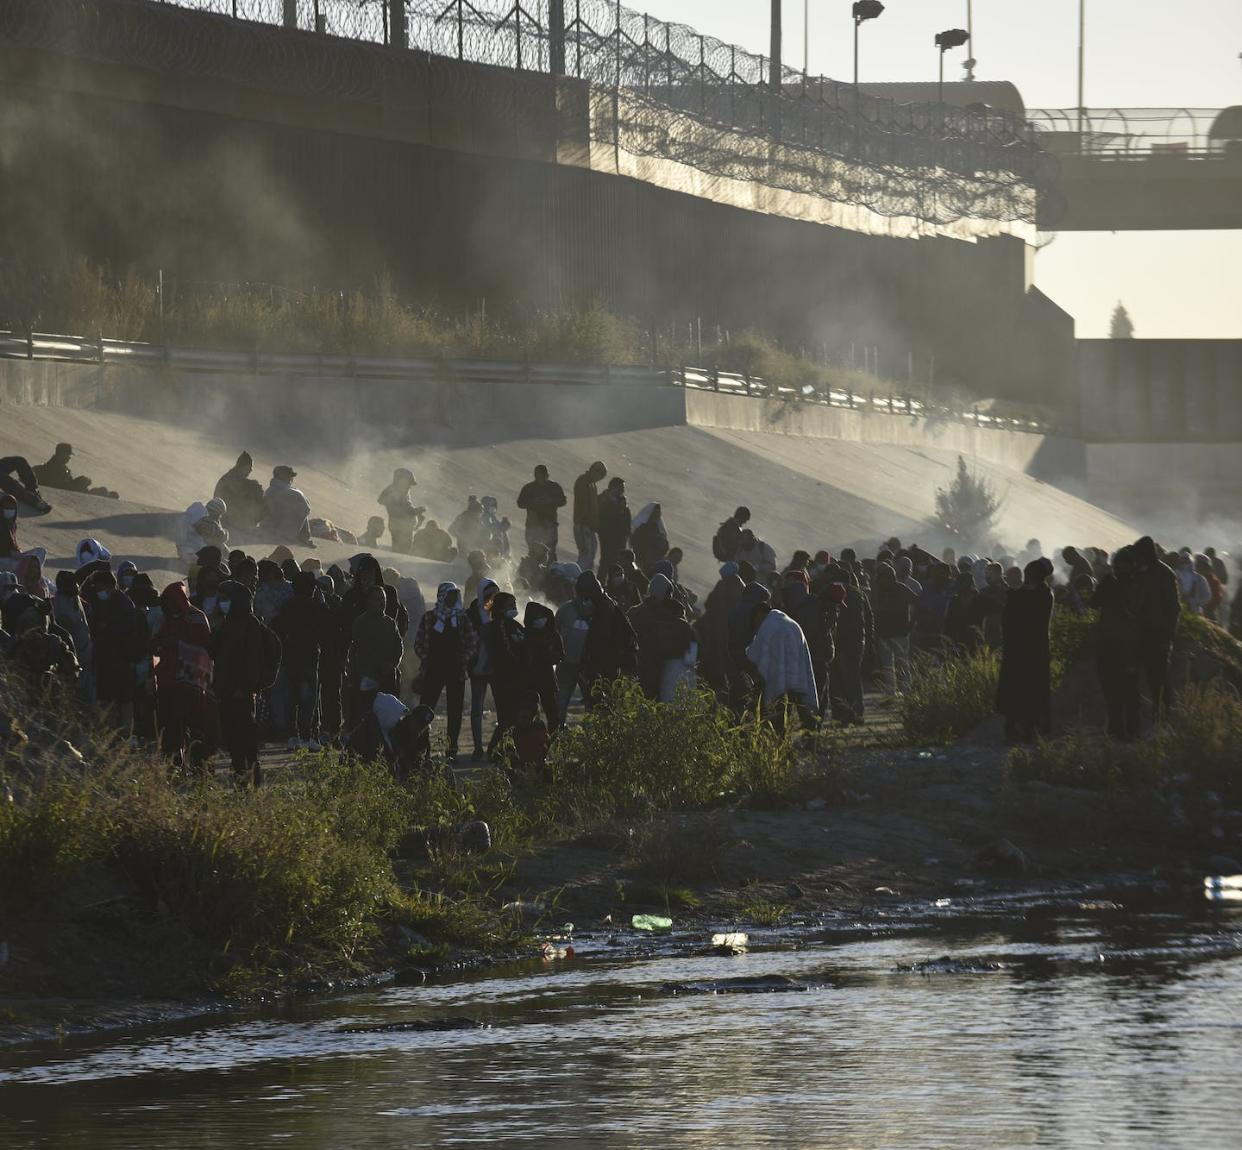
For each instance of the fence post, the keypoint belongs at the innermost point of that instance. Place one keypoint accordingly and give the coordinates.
(100, 347)
(30, 344)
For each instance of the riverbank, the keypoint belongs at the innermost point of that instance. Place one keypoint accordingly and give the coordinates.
(876, 835)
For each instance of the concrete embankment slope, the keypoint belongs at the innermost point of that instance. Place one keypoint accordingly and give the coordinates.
(804, 491)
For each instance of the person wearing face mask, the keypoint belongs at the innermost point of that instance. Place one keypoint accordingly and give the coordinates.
(246, 657)
(119, 639)
(610, 649)
(572, 629)
(180, 646)
(126, 571)
(479, 615)
(445, 643)
(508, 669)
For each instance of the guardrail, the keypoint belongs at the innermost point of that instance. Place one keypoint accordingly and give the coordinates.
(121, 353)
(1134, 133)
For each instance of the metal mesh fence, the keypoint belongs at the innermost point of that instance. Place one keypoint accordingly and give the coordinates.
(659, 90)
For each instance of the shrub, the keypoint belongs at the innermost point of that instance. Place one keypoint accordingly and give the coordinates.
(630, 755)
(1199, 746)
(949, 698)
(967, 508)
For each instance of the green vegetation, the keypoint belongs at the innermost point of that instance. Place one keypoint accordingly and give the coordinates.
(967, 508)
(334, 867)
(1198, 749)
(949, 697)
(81, 300)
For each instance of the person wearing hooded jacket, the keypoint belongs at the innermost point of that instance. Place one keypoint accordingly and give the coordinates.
(304, 626)
(586, 514)
(615, 523)
(508, 669)
(743, 621)
(246, 657)
(662, 633)
(375, 652)
(816, 614)
(544, 652)
(119, 640)
(479, 615)
(610, 649)
(713, 630)
(69, 613)
(649, 538)
(445, 644)
(183, 678)
(1158, 616)
(367, 575)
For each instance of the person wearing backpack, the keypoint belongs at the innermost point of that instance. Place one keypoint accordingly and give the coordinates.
(246, 654)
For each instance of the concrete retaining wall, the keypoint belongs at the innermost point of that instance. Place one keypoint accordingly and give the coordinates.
(1055, 460)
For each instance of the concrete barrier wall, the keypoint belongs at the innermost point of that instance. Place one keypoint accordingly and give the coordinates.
(1160, 390)
(342, 412)
(1054, 459)
(1181, 482)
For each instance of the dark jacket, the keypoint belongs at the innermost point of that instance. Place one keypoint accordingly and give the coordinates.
(1025, 689)
(610, 649)
(614, 527)
(246, 652)
(742, 626)
(375, 650)
(544, 647)
(816, 618)
(304, 625)
(650, 545)
(242, 496)
(541, 499)
(662, 634)
(448, 651)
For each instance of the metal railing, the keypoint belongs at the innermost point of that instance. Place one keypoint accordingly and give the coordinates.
(121, 353)
(1131, 133)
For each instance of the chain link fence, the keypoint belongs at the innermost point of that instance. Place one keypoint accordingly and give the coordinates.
(658, 90)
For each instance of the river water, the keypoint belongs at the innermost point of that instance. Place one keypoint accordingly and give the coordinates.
(1059, 1026)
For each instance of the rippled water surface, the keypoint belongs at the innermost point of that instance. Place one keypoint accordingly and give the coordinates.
(1100, 1028)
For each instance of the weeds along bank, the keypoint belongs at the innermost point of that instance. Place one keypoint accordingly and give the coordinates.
(124, 880)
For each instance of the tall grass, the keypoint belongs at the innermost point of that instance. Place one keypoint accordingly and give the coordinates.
(949, 697)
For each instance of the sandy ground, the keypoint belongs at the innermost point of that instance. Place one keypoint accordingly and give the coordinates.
(804, 492)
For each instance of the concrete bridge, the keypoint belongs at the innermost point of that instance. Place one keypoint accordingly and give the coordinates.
(1143, 169)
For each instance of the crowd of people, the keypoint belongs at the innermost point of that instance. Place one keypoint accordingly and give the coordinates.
(246, 649)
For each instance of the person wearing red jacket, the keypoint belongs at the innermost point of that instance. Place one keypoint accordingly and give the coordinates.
(183, 674)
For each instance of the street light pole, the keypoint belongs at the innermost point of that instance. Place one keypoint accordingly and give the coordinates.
(1082, 66)
(970, 61)
(806, 39)
(774, 80)
(951, 38)
(863, 10)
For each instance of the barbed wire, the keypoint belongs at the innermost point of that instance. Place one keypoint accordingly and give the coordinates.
(659, 90)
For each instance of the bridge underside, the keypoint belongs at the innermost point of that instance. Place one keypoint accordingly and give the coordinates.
(1147, 193)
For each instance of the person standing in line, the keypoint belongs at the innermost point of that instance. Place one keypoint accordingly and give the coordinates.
(246, 657)
(541, 499)
(375, 652)
(183, 678)
(445, 644)
(544, 651)
(1118, 601)
(304, 626)
(286, 513)
(508, 670)
(586, 515)
(610, 649)
(1160, 611)
(1024, 693)
(893, 603)
(614, 524)
(479, 614)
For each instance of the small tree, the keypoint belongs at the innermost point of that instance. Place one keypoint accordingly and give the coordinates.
(1122, 326)
(967, 508)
